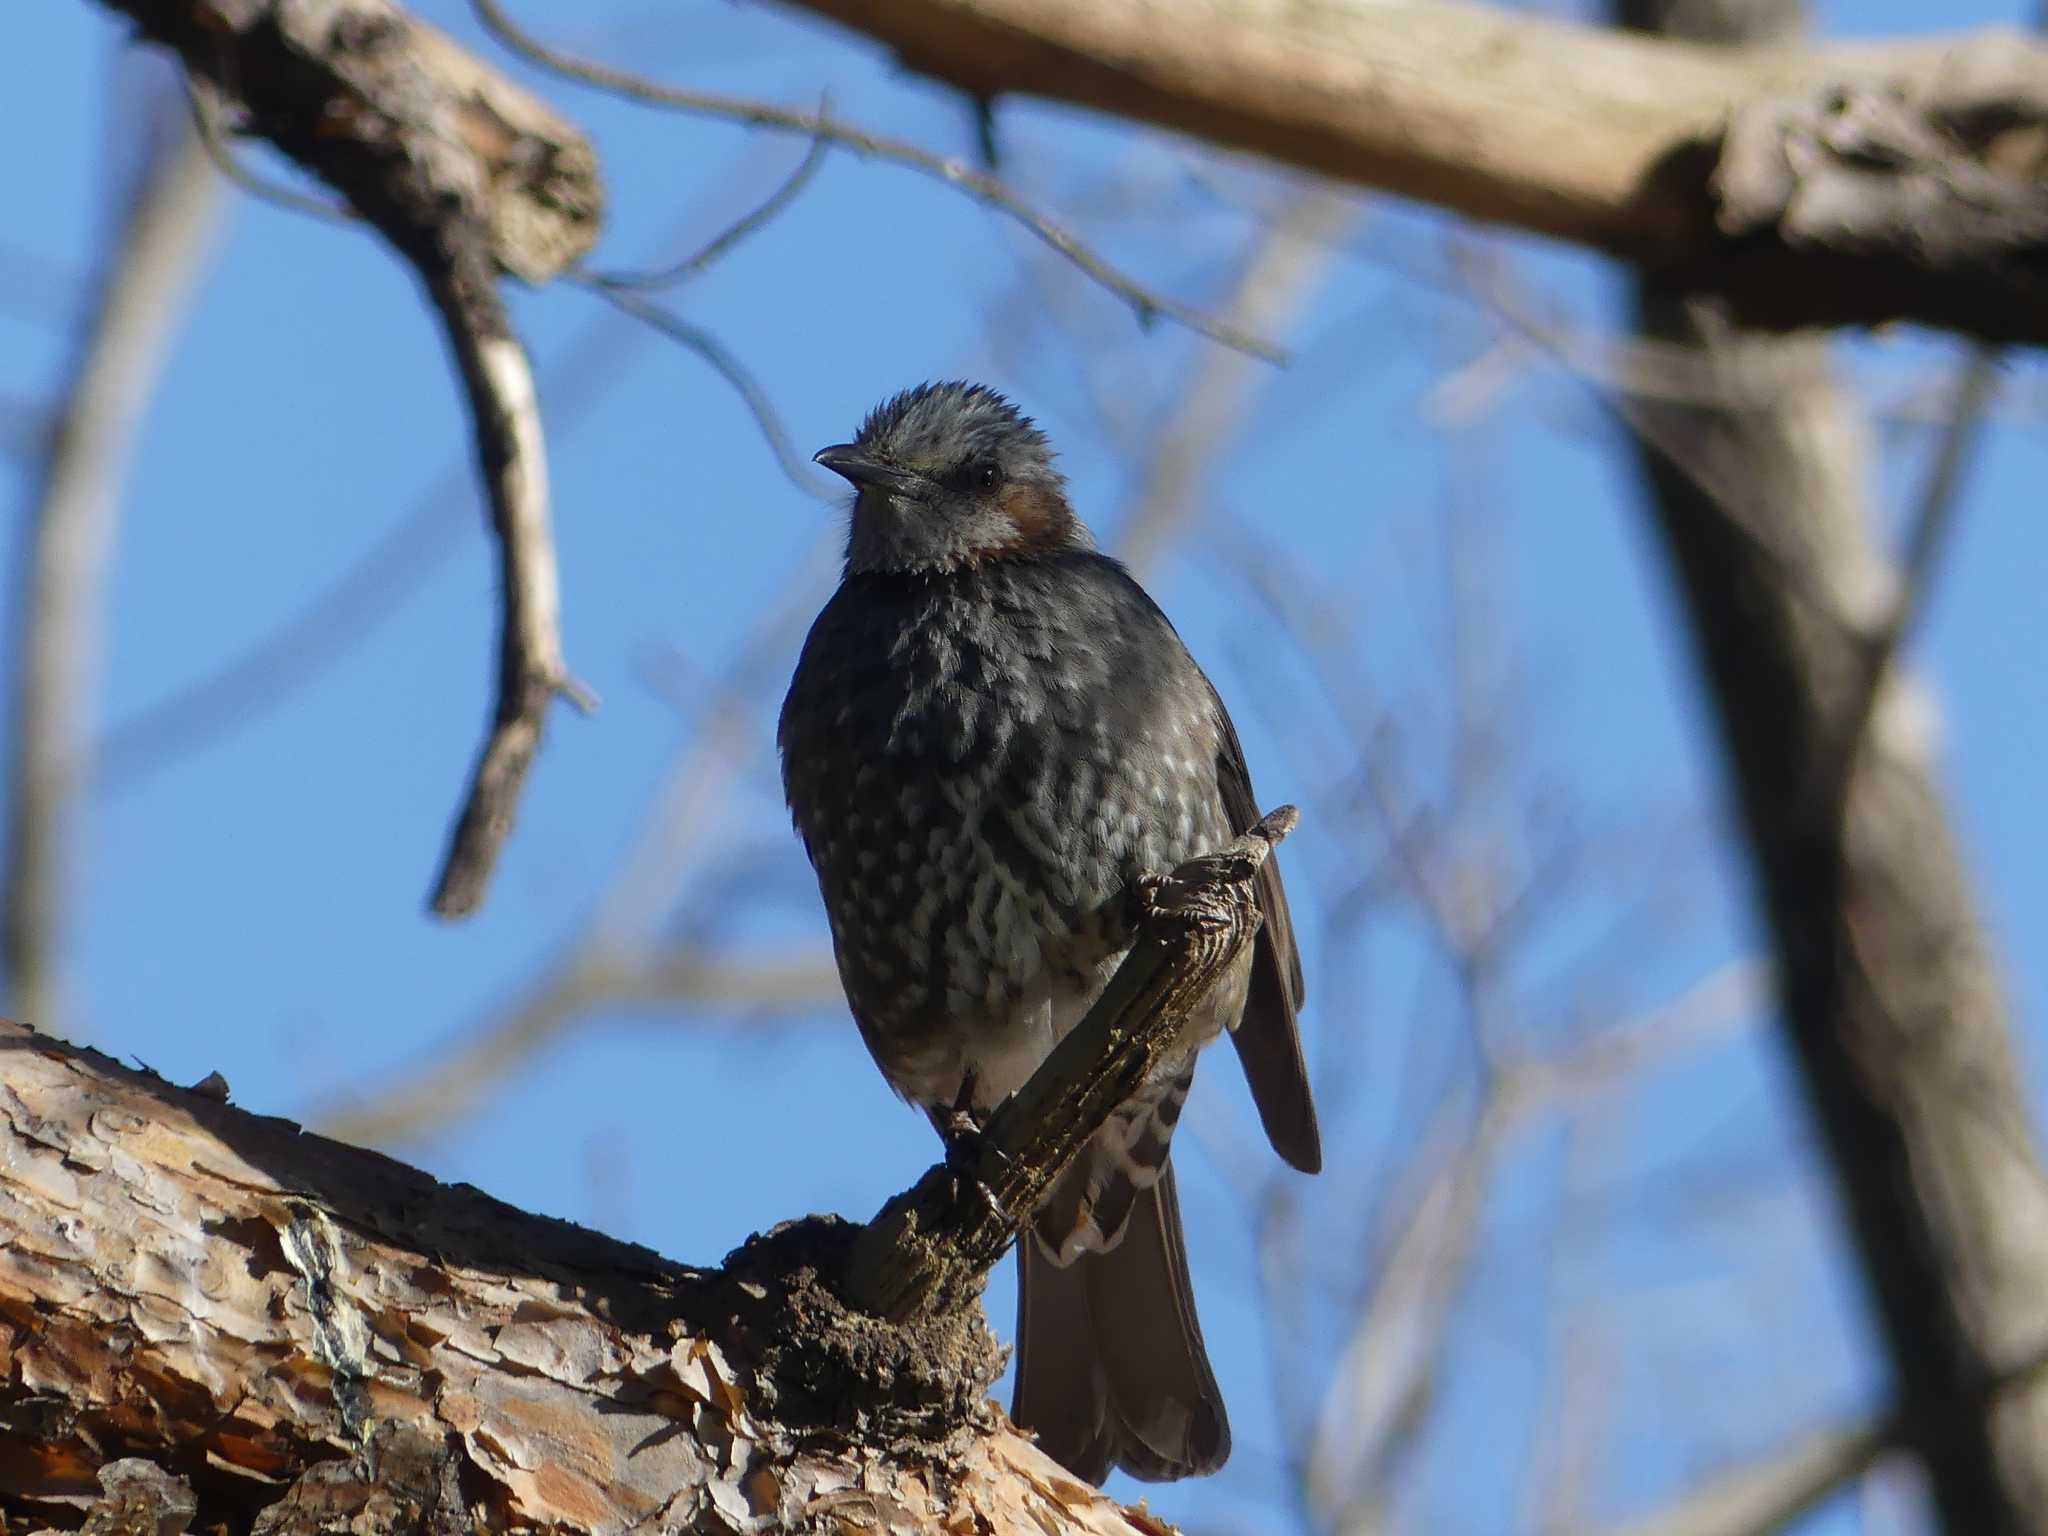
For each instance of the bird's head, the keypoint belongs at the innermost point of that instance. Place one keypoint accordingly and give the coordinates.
(951, 475)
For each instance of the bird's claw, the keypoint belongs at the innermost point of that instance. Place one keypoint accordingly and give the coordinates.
(961, 1131)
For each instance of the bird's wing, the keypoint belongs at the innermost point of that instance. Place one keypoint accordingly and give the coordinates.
(1268, 1039)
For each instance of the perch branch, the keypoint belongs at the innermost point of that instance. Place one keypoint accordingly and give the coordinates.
(932, 1247)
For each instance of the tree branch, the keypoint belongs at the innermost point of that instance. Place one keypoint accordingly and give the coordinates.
(312, 1335)
(157, 257)
(1147, 304)
(210, 1315)
(466, 176)
(1846, 184)
(1889, 993)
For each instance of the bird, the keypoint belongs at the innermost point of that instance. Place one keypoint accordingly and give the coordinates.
(991, 733)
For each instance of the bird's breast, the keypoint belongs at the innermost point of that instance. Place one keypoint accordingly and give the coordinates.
(977, 776)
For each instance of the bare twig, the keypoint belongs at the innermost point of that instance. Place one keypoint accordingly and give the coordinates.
(934, 1246)
(1722, 493)
(207, 112)
(325, 625)
(719, 245)
(1147, 304)
(795, 467)
(1389, 1368)
(159, 255)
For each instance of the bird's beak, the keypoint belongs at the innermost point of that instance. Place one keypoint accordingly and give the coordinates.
(848, 460)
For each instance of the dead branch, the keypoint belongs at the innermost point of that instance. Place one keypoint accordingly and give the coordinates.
(1845, 184)
(158, 254)
(211, 1317)
(466, 176)
(933, 1247)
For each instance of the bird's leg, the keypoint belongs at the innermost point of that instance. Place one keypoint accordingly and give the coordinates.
(960, 1128)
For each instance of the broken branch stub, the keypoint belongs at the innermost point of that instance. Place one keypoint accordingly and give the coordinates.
(931, 1248)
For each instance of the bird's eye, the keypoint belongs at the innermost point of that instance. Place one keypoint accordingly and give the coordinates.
(983, 476)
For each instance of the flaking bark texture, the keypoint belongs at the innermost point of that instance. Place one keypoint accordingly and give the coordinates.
(210, 1319)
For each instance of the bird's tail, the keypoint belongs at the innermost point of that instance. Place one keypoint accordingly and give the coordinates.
(1111, 1369)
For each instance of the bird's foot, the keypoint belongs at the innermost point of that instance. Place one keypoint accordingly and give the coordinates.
(962, 1130)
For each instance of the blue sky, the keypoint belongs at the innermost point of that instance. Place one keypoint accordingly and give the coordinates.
(252, 899)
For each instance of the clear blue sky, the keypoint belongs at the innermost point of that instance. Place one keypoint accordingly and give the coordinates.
(253, 902)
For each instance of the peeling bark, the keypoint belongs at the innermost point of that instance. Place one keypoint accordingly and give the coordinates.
(212, 1317)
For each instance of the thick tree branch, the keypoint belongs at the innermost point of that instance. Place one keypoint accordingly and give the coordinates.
(157, 255)
(1146, 303)
(467, 176)
(209, 1314)
(1803, 185)
(221, 1319)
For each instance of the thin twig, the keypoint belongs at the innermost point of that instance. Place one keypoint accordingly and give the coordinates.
(323, 627)
(467, 177)
(794, 466)
(207, 111)
(1632, 414)
(160, 254)
(716, 248)
(1391, 1361)
(1144, 302)
(626, 953)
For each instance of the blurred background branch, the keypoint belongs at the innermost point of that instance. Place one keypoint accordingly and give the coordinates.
(156, 254)
(1887, 990)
